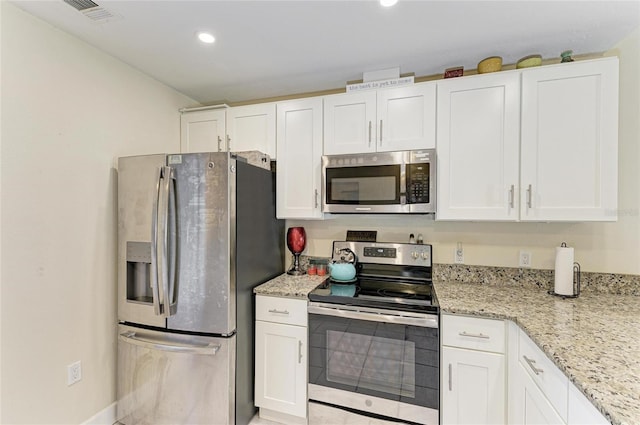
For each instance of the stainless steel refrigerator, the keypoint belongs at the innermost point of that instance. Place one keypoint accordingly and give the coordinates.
(196, 233)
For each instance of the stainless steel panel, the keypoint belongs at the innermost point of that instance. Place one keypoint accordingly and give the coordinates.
(206, 300)
(137, 186)
(184, 380)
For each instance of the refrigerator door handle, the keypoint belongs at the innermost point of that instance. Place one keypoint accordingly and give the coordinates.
(131, 338)
(169, 251)
(155, 284)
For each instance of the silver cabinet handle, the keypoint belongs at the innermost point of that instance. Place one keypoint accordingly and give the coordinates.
(512, 197)
(299, 352)
(450, 383)
(273, 310)
(369, 133)
(531, 364)
(529, 196)
(131, 338)
(316, 197)
(228, 143)
(219, 141)
(478, 335)
(380, 132)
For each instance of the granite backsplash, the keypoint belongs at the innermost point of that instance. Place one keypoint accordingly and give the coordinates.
(606, 283)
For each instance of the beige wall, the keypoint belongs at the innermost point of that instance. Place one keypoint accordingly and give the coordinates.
(599, 247)
(68, 111)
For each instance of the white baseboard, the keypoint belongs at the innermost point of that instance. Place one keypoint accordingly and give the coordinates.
(106, 417)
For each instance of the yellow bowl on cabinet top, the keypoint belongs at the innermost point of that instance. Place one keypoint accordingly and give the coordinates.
(529, 61)
(490, 64)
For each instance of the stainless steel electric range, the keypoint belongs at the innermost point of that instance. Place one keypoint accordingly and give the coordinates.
(377, 351)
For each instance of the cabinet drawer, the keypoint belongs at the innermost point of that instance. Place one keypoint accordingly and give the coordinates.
(473, 332)
(553, 383)
(281, 310)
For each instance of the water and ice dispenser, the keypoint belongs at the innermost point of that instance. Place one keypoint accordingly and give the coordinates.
(139, 272)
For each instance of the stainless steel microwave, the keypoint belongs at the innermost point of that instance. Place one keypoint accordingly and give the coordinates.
(381, 182)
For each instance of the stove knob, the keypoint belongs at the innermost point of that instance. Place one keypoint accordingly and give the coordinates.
(425, 256)
(415, 255)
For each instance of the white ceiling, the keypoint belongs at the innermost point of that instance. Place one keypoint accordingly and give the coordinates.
(275, 48)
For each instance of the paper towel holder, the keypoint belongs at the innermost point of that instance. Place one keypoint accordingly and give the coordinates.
(576, 281)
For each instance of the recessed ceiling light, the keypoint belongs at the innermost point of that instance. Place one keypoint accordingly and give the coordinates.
(388, 3)
(205, 37)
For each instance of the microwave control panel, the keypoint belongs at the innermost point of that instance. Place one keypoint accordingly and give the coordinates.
(418, 183)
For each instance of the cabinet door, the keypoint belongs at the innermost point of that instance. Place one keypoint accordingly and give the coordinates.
(203, 131)
(407, 118)
(529, 406)
(350, 123)
(477, 147)
(281, 368)
(299, 150)
(473, 387)
(252, 127)
(582, 411)
(570, 142)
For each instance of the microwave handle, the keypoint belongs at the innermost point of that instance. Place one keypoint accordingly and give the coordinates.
(403, 183)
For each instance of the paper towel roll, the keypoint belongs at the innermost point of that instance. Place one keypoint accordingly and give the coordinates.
(563, 284)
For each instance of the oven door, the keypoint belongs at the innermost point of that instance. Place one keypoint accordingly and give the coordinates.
(376, 361)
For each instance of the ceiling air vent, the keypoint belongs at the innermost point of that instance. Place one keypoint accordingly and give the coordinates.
(81, 4)
(93, 11)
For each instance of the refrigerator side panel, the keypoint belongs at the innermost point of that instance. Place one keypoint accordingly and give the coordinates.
(204, 283)
(166, 378)
(137, 187)
(260, 257)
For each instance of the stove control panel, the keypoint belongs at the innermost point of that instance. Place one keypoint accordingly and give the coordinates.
(386, 252)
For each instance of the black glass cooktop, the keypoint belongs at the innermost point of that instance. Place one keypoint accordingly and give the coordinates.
(379, 292)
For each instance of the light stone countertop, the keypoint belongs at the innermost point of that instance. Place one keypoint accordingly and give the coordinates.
(594, 339)
(289, 286)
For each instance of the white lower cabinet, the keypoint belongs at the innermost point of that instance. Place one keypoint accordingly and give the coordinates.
(281, 359)
(473, 371)
(539, 392)
(493, 373)
(530, 406)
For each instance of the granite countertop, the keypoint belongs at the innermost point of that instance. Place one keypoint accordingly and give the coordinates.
(594, 339)
(290, 286)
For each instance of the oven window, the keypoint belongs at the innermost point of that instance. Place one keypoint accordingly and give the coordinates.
(370, 185)
(373, 362)
(390, 361)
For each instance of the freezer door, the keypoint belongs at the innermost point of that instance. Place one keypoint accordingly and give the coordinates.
(166, 378)
(206, 295)
(138, 186)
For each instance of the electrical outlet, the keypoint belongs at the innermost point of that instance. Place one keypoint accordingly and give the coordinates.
(458, 255)
(74, 372)
(525, 259)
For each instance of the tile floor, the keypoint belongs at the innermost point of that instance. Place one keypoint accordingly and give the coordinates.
(319, 414)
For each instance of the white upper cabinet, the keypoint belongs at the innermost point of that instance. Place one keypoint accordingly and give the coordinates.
(350, 123)
(477, 147)
(299, 150)
(537, 144)
(570, 142)
(203, 131)
(380, 121)
(252, 127)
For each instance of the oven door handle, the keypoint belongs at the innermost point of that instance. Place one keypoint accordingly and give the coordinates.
(428, 321)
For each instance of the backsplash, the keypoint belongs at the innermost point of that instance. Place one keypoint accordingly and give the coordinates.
(607, 283)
